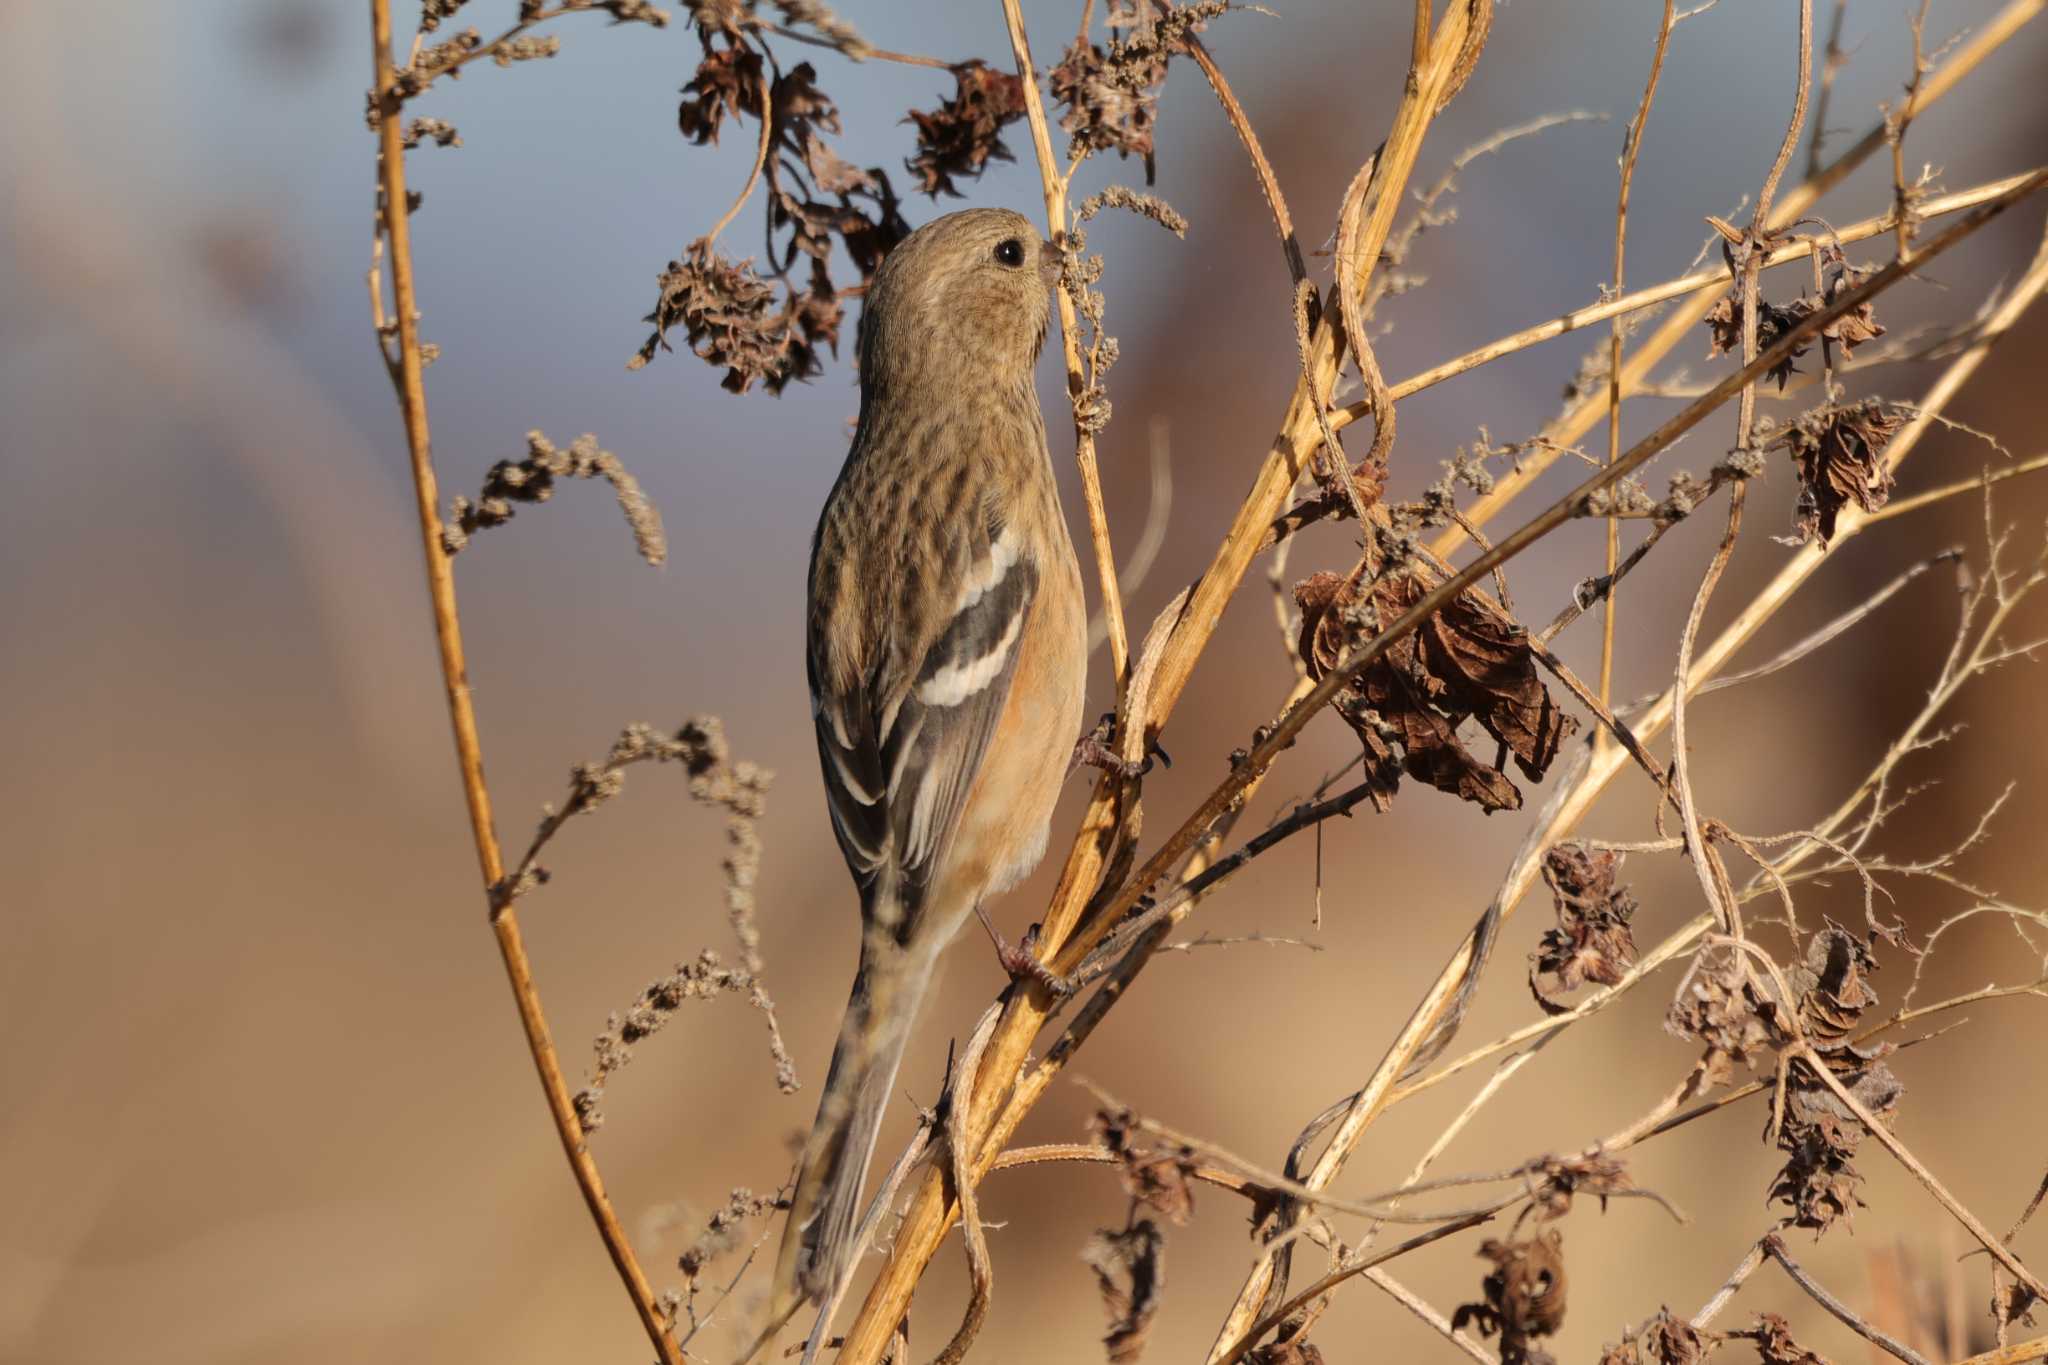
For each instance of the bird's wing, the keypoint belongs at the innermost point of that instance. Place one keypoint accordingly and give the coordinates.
(900, 747)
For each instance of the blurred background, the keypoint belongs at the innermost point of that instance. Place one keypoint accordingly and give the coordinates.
(265, 1094)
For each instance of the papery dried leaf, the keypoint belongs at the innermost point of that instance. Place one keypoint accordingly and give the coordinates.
(1775, 1346)
(1860, 323)
(1663, 1340)
(1839, 453)
(1830, 985)
(1468, 661)
(962, 135)
(728, 84)
(1111, 93)
(1716, 1005)
(1592, 941)
(1525, 1295)
(1131, 1273)
(1820, 1135)
(1773, 321)
(1160, 1177)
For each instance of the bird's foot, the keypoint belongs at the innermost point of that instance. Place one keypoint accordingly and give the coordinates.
(1020, 961)
(1092, 750)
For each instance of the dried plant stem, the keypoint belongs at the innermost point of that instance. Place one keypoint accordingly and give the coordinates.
(1084, 440)
(760, 160)
(412, 400)
(1774, 1247)
(1918, 1169)
(1707, 284)
(2020, 1353)
(1439, 999)
(1632, 143)
(1744, 1268)
(1234, 1350)
(1900, 506)
(1422, 1308)
(1568, 430)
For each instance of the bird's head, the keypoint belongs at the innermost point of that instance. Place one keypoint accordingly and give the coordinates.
(965, 295)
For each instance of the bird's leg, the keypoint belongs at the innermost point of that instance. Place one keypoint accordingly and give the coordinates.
(1092, 750)
(1018, 960)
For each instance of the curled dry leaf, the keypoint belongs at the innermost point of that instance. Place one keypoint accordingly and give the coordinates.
(1130, 1271)
(1158, 1177)
(1818, 1133)
(1663, 1340)
(1774, 320)
(1774, 1343)
(1525, 1296)
(1470, 661)
(1592, 941)
(1717, 1004)
(963, 134)
(727, 84)
(1838, 450)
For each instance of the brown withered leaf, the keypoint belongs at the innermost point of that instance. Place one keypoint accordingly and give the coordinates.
(1838, 450)
(1773, 320)
(1158, 1176)
(1525, 1296)
(1663, 1340)
(1860, 323)
(1718, 1006)
(963, 134)
(728, 84)
(1592, 941)
(1468, 661)
(1820, 1135)
(1774, 1343)
(1131, 1273)
(1831, 985)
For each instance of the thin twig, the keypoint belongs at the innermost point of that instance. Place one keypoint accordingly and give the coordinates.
(1631, 146)
(1774, 1247)
(1055, 187)
(440, 580)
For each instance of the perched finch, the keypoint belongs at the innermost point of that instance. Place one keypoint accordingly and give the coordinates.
(947, 651)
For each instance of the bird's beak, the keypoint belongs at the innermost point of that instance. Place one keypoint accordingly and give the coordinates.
(1051, 262)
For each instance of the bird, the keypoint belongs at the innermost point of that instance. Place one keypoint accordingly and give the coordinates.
(947, 649)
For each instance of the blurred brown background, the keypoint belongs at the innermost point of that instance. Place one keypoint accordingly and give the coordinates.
(265, 1098)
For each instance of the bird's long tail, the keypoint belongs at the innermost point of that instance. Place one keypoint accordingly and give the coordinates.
(819, 1242)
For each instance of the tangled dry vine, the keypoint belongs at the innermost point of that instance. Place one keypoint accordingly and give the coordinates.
(1421, 654)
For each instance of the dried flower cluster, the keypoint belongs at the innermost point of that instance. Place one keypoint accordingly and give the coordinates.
(730, 317)
(532, 480)
(817, 203)
(1112, 94)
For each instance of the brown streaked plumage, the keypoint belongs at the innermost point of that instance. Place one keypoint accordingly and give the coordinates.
(947, 652)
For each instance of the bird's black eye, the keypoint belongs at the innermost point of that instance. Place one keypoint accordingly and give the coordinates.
(1010, 252)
